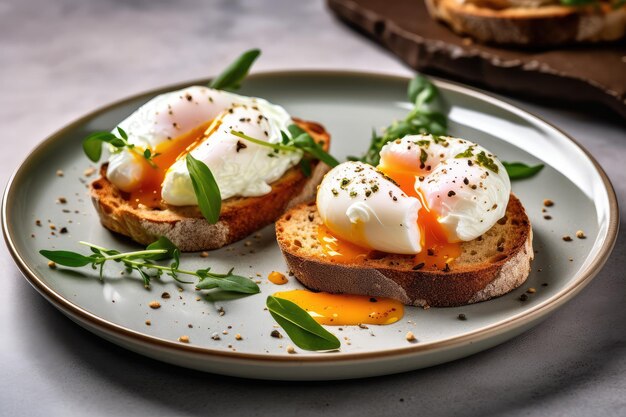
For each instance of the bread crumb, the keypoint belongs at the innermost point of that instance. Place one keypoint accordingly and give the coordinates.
(183, 339)
(60, 173)
(52, 265)
(154, 304)
(248, 243)
(215, 336)
(165, 295)
(204, 254)
(567, 238)
(548, 203)
(238, 337)
(62, 200)
(581, 235)
(547, 217)
(531, 290)
(276, 334)
(462, 317)
(89, 172)
(410, 337)
(148, 323)
(291, 349)
(52, 227)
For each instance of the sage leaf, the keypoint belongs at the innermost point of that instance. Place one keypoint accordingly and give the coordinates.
(206, 189)
(301, 328)
(231, 78)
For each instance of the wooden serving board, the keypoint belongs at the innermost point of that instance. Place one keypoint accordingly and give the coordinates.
(594, 74)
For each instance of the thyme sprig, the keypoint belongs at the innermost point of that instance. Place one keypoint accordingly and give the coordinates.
(144, 263)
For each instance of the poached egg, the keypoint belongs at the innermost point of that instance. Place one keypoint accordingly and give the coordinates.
(428, 194)
(198, 120)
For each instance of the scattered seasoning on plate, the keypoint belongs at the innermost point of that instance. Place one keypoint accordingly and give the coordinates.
(183, 339)
(462, 317)
(531, 290)
(215, 336)
(154, 304)
(567, 238)
(165, 295)
(548, 203)
(204, 254)
(581, 235)
(89, 172)
(276, 334)
(547, 217)
(52, 265)
(238, 337)
(291, 349)
(148, 323)
(410, 337)
(62, 200)
(221, 311)
(523, 297)
(60, 173)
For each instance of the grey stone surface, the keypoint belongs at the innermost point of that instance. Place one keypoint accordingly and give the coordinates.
(62, 58)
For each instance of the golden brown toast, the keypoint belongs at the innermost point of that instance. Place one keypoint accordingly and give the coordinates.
(489, 266)
(186, 227)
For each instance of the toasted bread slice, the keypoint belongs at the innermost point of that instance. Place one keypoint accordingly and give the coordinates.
(489, 21)
(187, 228)
(489, 266)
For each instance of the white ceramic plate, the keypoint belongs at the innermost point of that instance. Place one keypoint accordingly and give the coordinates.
(349, 105)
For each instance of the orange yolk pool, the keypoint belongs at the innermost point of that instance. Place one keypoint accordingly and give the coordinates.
(148, 191)
(436, 252)
(345, 309)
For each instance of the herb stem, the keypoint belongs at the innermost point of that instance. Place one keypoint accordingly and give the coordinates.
(263, 143)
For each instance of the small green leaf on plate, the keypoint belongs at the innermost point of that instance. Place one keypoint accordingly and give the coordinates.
(234, 283)
(303, 330)
(66, 258)
(162, 243)
(519, 170)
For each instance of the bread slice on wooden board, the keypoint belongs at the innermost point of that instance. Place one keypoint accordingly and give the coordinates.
(186, 227)
(489, 266)
(547, 25)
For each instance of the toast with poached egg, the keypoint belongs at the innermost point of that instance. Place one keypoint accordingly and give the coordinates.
(147, 198)
(435, 224)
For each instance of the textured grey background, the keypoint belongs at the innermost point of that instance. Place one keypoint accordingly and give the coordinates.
(62, 58)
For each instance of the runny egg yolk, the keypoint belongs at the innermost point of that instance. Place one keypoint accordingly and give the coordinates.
(436, 251)
(345, 309)
(148, 190)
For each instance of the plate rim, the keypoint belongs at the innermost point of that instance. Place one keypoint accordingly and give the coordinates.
(512, 322)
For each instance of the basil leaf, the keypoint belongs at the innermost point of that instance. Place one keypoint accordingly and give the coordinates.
(92, 144)
(206, 189)
(233, 283)
(66, 258)
(234, 74)
(303, 330)
(162, 243)
(519, 170)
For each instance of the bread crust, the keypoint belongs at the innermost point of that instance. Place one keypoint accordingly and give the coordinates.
(531, 26)
(392, 275)
(186, 227)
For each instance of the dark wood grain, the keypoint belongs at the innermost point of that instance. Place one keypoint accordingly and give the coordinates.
(593, 74)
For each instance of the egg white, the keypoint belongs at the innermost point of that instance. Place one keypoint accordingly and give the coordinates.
(166, 117)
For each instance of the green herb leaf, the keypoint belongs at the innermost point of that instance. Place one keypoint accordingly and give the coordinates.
(66, 258)
(206, 189)
(231, 78)
(421, 119)
(519, 170)
(303, 330)
(228, 282)
(92, 144)
(486, 161)
(421, 90)
(163, 243)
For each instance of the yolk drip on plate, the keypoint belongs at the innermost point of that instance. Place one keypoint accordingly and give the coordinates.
(436, 252)
(345, 309)
(148, 191)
